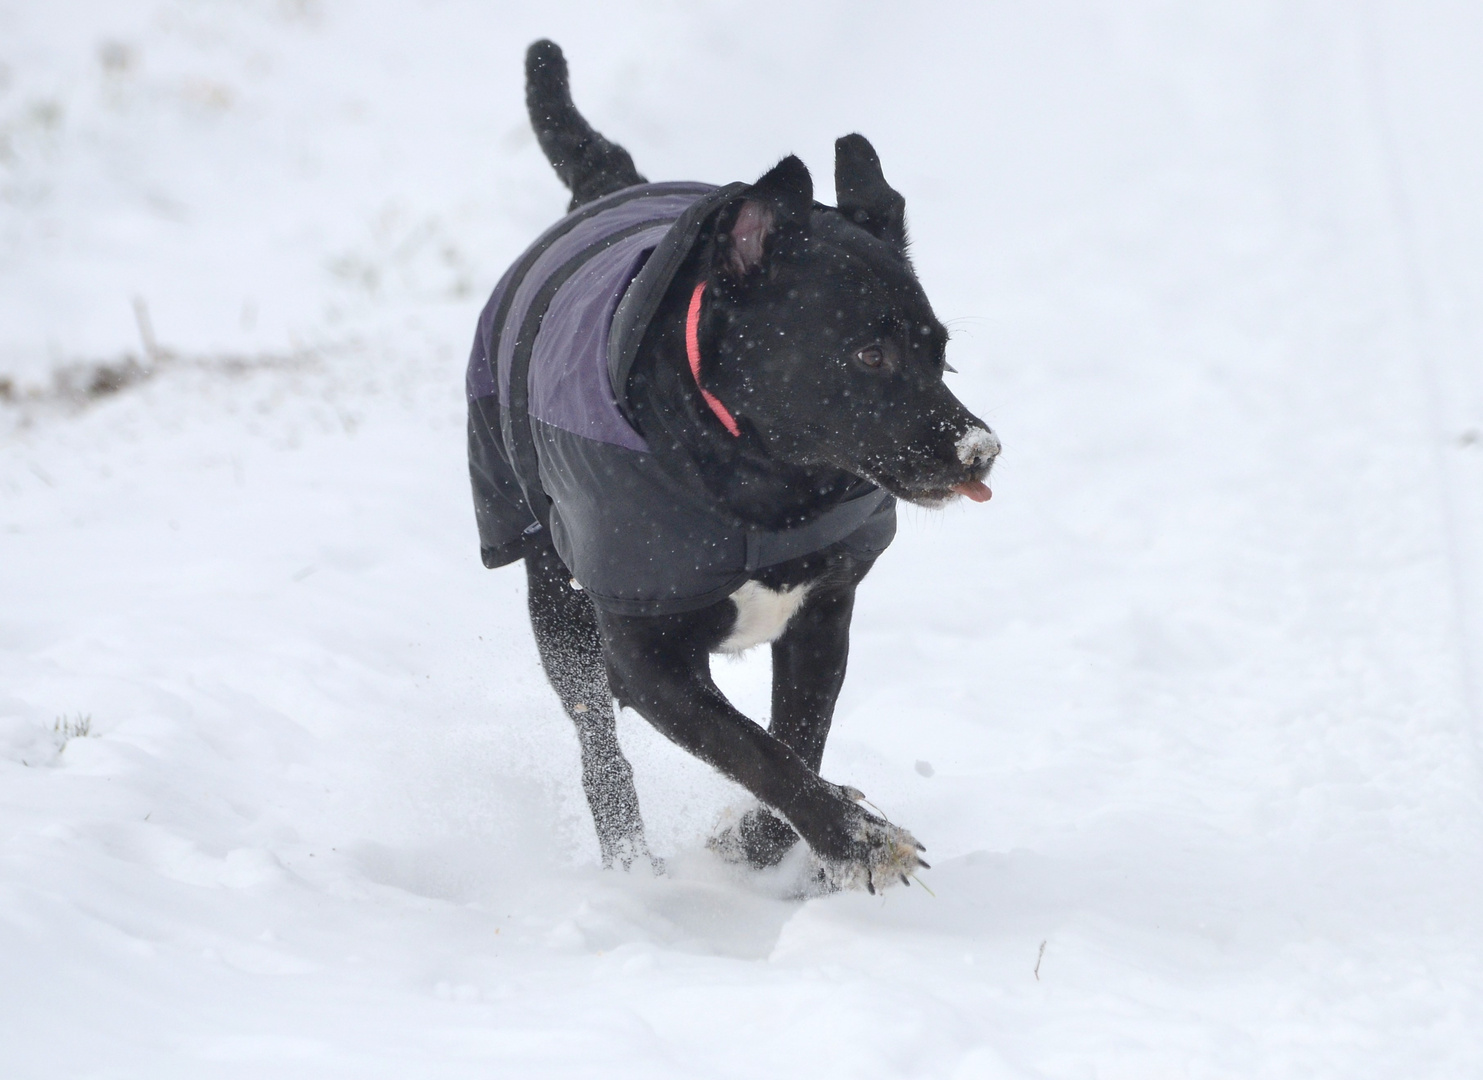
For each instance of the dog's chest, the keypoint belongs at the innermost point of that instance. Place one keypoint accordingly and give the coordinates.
(762, 614)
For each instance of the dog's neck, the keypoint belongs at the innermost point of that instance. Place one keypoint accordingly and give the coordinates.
(689, 437)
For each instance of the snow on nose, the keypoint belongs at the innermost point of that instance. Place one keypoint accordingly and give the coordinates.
(979, 446)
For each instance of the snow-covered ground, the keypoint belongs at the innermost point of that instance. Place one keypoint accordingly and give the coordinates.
(1188, 716)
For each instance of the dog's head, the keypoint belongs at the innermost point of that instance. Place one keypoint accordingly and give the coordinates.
(821, 339)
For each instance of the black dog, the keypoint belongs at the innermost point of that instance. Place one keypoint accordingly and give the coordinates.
(691, 412)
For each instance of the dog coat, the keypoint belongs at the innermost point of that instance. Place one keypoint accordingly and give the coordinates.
(550, 443)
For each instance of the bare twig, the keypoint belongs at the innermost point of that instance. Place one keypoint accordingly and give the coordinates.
(1039, 958)
(152, 351)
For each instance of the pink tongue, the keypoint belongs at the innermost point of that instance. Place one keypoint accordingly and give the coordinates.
(976, 490)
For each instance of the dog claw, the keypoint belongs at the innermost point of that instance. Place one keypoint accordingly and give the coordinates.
(924, 864)
(906, 881)
(878, 849)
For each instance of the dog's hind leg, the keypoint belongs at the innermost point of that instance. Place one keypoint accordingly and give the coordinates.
(588, 164)
(565, 626)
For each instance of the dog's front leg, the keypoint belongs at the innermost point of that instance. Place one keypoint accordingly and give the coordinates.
(661, 667)
(808, 670)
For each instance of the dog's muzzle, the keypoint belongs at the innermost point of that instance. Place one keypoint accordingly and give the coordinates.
(978, 448)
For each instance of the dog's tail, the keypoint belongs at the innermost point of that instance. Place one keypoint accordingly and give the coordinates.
(587, 163)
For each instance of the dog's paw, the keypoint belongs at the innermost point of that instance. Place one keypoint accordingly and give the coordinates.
(881, 854)
(757, 838)
(630, 851)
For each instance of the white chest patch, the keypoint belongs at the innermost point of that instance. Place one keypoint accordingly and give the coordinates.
(762, 614)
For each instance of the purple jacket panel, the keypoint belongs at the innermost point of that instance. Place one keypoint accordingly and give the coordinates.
(569, 385)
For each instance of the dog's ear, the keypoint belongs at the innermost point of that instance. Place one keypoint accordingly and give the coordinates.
(772, 211)
(862, 193)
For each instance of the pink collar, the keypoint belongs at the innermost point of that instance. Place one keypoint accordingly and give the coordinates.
(692, 350)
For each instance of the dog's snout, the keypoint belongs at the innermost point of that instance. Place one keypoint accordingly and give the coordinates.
(978, 448)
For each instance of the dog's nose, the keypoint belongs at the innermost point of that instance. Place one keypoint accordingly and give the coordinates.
(978, 448)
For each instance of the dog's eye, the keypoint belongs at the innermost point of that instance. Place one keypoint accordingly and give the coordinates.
(872, 356)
